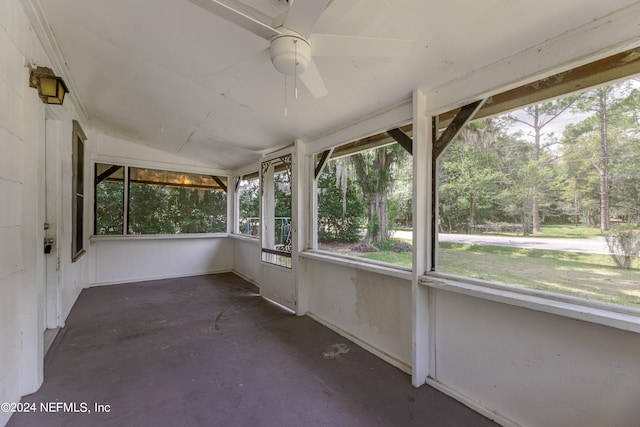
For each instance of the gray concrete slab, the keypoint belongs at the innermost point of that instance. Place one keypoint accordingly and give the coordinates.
(208, 351)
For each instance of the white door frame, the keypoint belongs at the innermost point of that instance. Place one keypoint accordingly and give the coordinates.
(277, 282)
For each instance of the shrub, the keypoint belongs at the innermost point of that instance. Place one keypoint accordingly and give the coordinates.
(394, 245)
(624, 243)
(364, 247)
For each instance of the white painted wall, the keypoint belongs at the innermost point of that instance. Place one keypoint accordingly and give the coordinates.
(131, 259)
(14, 41)
(534, 368)
(246, 258)
(22, 208)
(372, 309)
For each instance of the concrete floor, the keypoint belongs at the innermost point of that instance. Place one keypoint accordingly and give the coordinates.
(208, 351)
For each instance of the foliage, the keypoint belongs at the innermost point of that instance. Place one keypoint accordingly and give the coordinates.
(249, 207)
(160, 209)
(374, 175)
(389, 245)
(364, 248)
(110, 209)
(340, 208)
(570, 161)
(624, 243)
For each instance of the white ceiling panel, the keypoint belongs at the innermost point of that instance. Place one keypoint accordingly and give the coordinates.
(174, 76)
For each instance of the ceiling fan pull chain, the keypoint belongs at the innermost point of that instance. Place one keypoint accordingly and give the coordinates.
(285, 95)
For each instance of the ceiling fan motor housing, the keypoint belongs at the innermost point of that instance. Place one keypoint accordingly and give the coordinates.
(290, 53)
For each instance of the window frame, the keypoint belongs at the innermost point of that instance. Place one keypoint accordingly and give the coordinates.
(77, 192)
(318, 159)
(127, 165)
(253, 175)
(614, 68)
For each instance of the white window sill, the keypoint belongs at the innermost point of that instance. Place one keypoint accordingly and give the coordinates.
(245, 237)
(120, 237)
(625, 318)
(347, 261)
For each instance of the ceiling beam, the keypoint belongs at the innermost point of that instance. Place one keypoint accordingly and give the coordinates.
(463, 116)
(220, 183)
(607, 70)
(368, 143)
(402, 138)
(322, 161)
(106, 174)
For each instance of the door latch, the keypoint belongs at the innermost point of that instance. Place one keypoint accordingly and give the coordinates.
(48, 244)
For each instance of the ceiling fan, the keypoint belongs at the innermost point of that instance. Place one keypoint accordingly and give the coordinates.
(291, 42)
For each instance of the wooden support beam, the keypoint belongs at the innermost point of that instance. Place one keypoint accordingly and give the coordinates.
(322, 161)
(465, 114)
(615, 67)
(367, 143)
(220, 183)
(402, 138)
(106, 174)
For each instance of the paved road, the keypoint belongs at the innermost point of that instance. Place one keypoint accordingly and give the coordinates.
(595, 245)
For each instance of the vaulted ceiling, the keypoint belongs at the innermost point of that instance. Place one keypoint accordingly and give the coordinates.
(172, 75)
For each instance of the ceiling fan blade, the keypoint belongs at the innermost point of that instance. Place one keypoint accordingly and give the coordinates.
(313, 81)
(304, 14)
(335, 45)
(235, 16)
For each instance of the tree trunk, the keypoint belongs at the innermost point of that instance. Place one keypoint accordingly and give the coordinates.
(472, 215)
(374, 177)
(535, 205)
(378, 229)
(603, 169)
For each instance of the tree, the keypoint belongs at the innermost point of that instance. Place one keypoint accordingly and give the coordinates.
(593, 140)
(374, 176)
(473, 176)
(109, 207)
(340, 207)
(537, 117)
(150, 210)
(249, 207)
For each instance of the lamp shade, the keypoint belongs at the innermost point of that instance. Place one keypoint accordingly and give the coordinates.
(51, 88)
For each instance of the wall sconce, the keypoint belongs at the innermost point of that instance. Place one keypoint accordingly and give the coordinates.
(51, 88)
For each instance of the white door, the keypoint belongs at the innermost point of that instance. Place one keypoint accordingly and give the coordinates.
(51, 225)
(276, 184)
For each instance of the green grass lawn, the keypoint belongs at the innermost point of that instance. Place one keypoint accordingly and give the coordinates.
(565, 231)
(590, 276)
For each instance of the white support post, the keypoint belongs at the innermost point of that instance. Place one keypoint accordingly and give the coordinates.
(232, 205)
(300, 222)
(422, 148)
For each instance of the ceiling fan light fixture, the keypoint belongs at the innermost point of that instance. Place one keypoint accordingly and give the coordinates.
(290, 54)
